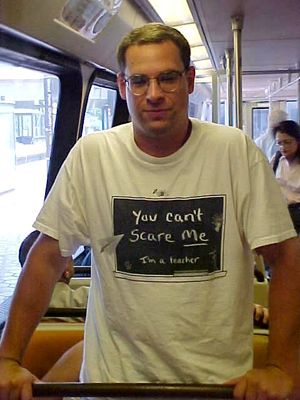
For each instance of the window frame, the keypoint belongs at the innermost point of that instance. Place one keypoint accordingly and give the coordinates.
(103, 78)
(20, 50)
(253, 109)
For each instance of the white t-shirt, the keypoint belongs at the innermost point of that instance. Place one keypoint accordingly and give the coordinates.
(288, 176)
(172, 271)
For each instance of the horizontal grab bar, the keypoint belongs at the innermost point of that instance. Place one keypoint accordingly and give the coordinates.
(132, 390)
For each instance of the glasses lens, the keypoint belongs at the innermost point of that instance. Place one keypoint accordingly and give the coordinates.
(168, 81)
(138, 84)
(283, 143)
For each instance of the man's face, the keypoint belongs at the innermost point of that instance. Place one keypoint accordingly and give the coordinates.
(156, 112)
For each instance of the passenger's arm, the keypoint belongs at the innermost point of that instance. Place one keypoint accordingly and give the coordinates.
(43, 267)
(261, 314)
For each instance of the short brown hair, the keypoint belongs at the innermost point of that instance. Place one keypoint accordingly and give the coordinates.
(154, 33)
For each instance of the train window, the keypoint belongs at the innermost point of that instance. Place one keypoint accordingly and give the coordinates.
(28, 103)
(292, 109)
(100, 109)
(259, 121)
(222, 113)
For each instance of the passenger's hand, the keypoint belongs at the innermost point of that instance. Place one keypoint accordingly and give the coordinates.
(15, 381)
(261, 313)
(269, 383)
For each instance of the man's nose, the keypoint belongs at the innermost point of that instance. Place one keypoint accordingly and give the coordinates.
(154, 90)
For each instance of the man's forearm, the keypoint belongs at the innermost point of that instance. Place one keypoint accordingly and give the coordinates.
(28, 306)
(284, 303)
(31, 298)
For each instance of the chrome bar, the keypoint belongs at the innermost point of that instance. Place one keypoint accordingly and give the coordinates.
(229, 85)
(215, 98)
(236, 26)
(132, 390)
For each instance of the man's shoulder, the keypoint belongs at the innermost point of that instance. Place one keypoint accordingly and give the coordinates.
(116, 131)
(217, 131)
(103, 140)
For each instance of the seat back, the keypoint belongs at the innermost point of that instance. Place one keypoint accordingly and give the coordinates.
(48, 343)
(260, 345)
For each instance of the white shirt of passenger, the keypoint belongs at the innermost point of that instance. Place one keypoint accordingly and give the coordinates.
(288, 176)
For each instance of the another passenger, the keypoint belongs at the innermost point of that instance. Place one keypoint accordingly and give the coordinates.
(286, 165)
(172, 208)
(261, 314)
(266, 141)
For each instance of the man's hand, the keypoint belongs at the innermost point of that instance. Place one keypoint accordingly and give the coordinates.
(15, 381)
(269, 383)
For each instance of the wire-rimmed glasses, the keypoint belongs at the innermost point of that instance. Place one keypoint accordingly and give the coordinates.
(168, 82)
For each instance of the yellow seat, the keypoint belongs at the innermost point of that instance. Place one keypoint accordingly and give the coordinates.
(50, 341)
(260, 344)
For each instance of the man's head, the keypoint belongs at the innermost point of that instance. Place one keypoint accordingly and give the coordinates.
(277, 116)
(154, 33)
(156, 79)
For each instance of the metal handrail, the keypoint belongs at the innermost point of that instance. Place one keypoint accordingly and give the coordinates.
(66, 312)
(132, 390)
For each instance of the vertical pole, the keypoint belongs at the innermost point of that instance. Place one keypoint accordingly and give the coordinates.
(229, 95)
(215, 97)
(236, 26)
(298, 98)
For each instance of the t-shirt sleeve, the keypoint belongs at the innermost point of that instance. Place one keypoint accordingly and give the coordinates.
(266, 219)
(62, 215)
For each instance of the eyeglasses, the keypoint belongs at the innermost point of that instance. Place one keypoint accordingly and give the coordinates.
(167, 81)
(286, 142)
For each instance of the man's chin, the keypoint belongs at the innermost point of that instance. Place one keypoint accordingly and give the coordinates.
(158, 128)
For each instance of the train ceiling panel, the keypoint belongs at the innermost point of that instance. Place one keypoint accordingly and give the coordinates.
(38, 20)
(270, 40)
(270, 35)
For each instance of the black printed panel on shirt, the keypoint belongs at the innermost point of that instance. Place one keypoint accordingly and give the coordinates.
(169, 237)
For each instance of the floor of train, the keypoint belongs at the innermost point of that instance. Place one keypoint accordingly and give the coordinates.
(9, 272)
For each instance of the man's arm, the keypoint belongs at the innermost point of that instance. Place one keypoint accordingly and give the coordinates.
(284, 304)
(275, 380)
(43, 267)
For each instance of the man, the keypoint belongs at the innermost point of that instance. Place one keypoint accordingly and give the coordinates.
(172, 208)
(266, 141)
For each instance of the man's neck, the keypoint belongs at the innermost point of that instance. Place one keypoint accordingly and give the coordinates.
(163, 146)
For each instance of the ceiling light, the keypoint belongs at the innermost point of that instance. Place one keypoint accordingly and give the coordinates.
(172, 13)
(198, 53)
(191, 33)
(205, 79)
(203, 64)
(88, 18)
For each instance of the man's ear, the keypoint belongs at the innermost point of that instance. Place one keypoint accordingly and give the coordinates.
(191, 74)
(121, 85)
